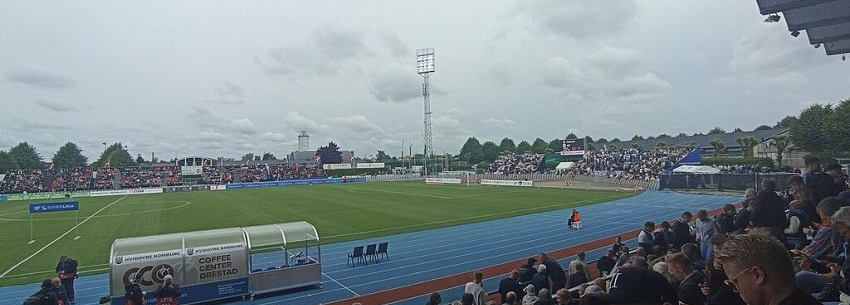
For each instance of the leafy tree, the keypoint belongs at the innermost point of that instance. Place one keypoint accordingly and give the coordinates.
(572, 136)
(763, 127)
(382, 156)
(539, 146)
(248, 157)
(738, 129)
(807, 132)
(69, 156)
(718, 145)
(660, 144)
(26, 156)
(7, 163)
(257, 158)
(782, 142)
(786, 122)
(139, 159)
(117, 156)
(681, 134)
(269, 156)
(698, 134)
(330, 154)
(556, 145)
(716, 130)
(838, 127)
(472, 152)
(747, 144)
(588, 140)
(637, 138)
(602, 141)
(523, 147)
(615, 140)
(664, 136)
(507, 146)
(650, 138)
(490, 150)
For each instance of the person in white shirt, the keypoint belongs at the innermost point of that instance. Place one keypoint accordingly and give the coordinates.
(476, 288)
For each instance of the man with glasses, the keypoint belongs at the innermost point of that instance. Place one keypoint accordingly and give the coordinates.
(760, 270)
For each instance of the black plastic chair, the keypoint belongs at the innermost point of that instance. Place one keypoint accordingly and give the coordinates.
(370, 252)
(358, 254)
(382, 250)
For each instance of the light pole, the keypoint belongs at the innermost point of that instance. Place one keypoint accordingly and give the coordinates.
(424, 67)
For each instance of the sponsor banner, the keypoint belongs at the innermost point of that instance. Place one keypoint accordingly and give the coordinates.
(336, 166)
(216, 263)
(248, 185)
(150, 268)
(218, 187)
(43, 196)
(54, 207)
(2, 198)
(153, 190)
(507, 182)
(443, 180)
(192, 170)
(370, 165)
(186, 188)
(199, 293)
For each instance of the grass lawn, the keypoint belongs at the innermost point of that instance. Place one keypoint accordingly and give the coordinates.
(340, 212)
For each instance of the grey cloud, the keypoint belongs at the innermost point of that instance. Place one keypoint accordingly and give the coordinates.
(55, 105)
(357, 123)
(397, 47)
(580, 19)
(395, 85)
(203, 117)
(327, 51)
(296, 121)
(37, 77)
(22, 125)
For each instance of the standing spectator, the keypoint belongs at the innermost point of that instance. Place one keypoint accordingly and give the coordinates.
(769, 211)
(476, 288)
(580, 256)
(760, 269)
(839, 180)
(659, 238)
(509, 284)
(682, 231)
(688, 292)
(618, 244)
(527, 271)
(556, 273)
(435, 299)
(645, 236)
(168, 293)
(67, 271)
(725, 222)
(578, 276)
(606, 263)
(636, 286)
(704, 228)
(541, 278)
(742, 218)
(133, 294)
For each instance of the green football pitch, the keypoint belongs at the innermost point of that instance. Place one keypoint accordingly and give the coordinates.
(340, 212)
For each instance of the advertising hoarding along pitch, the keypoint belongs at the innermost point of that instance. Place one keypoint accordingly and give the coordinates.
(54, 207)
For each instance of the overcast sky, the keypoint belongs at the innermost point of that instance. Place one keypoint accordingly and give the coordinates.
(223, 78)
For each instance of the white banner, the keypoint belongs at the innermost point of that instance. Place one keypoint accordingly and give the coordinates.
(337, 166)
(192, 170)
(218, 187)
(443, 180)
(370, 165)
(153, 190)
(506, 182)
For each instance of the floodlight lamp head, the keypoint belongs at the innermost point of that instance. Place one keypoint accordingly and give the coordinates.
(817, 45)
(425, 61)
(795, 33)
(772, 18)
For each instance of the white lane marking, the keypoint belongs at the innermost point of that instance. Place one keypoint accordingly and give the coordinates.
(340, 284)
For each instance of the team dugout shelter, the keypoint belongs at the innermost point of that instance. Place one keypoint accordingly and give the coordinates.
(219, 264)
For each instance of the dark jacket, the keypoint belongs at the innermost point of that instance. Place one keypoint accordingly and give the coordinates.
(41, 297)
(742, 220)
(526, 272)
(556, 273)
(69, 267)
(507, 285)
(681, 234)
(689, 291)
(134, 292)
(166, 292)
(659, 239)
(576, 279)
(606, 264)
(540, 281)
(768, 211)
(59, 294)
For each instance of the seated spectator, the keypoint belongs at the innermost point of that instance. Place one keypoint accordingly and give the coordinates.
(579, 261)
(544, 298)
(541, 278)
(509, 284)
(659, 238)
(469, 299)
(435, 299)
(636, 286)
(578, 276)
(797, 222)
(527, 271)
(606, 263)
(511, 299)
(742, 218)
(688, 292)
(826, 241)
(562, 297)
(715, 290)
(618, 244)
(530, 295)
(645, 235)
(760, 269)
(692, 251)
(768, 212)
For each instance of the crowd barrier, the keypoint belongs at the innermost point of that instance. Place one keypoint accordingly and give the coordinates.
(249, 185)
(433, 180)
(526, 183)
(43, 196)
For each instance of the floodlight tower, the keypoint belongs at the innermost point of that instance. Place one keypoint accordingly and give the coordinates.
(424, 67)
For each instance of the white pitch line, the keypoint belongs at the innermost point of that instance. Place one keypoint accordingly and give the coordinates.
(60, 237)
(340, 284)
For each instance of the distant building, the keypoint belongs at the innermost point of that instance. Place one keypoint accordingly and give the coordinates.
(303, 141)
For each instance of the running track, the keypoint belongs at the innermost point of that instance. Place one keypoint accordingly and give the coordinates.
(426, 255)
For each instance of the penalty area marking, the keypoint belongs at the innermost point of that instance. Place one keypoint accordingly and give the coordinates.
(60, 237)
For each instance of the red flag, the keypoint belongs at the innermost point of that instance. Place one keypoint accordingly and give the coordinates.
(318, 159)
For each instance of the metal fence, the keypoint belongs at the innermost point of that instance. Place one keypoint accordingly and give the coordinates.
(723, 181)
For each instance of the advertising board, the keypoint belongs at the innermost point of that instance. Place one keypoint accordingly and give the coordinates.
(153, 190)
(337, 166)
(507, 182)
(54, 207)
(370, 165)
(442, 180)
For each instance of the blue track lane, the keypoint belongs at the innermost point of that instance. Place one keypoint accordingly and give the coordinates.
(421, 256)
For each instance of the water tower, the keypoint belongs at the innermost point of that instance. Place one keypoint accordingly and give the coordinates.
(303, 141)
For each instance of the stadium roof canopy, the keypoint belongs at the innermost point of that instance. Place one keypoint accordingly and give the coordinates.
(826, 22)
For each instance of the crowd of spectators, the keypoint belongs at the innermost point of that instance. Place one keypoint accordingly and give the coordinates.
(628, 163)
(78, 179)
(515, 164)
(770, 249)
